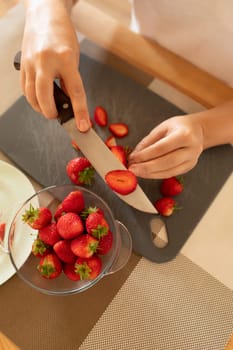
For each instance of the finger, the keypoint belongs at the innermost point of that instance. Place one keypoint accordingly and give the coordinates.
(76, 92)
(45, 97)
(155, 135)
(174, 162)
(22, 80)
(30, 93)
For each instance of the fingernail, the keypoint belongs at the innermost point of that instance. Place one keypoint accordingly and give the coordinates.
(83, 125)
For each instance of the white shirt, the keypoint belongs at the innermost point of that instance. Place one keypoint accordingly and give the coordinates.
(200, 31)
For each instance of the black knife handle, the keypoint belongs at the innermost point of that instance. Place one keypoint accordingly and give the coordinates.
(62, 101)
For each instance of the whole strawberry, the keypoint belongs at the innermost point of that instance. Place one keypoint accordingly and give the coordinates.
(88, 269)
(96, 225)
(39, 248)
(63, 250)
(105, 243)
(37, 217)
(84, 245)
(80, 171)
(70, 225)
(165, 206)
(49, 234)
(73, 202)
(50, 266)
(69, 271)
(172, 186)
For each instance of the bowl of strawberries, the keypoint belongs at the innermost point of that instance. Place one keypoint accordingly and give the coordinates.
(70, 240)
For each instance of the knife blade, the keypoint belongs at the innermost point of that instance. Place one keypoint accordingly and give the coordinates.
(95, 150)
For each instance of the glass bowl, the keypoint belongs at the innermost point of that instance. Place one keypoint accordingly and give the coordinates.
(18, 243)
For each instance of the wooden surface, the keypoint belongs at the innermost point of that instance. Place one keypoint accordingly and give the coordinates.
(107, 26)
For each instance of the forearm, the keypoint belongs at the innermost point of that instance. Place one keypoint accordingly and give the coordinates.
(31, 4)
(217, 125)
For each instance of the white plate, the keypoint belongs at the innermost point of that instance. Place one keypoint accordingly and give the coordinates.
(15, 188)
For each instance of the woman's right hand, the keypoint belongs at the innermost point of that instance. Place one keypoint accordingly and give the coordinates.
(50, 50)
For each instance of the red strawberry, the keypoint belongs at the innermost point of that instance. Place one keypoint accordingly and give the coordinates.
(171, 186)
(88, 268)
(69, 271)
(84, 246)
(96, 225)
(100, 116)
(63, 250)
(39, 248)
(120, 153)
(49, 234)
(69, 225)
(80, 171)
(50, 266)
(119, 129)
(90, 210)
(165, 206)
(110, 141)
(73, 202)
(121, 181)
(2, 230)
(59, 212)
(105, 243)
(37, 217)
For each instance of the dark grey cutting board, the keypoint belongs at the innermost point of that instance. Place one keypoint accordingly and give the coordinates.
(42, 149)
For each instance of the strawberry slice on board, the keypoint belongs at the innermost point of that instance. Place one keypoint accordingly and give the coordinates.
(120, 152)
(110, 141)
(100, 116)
(119, 130)
(121, 181)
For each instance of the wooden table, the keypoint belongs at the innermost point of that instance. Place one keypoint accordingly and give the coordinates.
(111, 34)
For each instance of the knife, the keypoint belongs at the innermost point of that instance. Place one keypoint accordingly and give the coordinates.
(95, 150)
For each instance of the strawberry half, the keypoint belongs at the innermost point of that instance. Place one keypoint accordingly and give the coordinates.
(100, 116)
(121, 181)
(63, 250)
(73, 202)
(88, 269)
(84, 246)
(171, 186)
(37, 217)
(49, 234)
(165, 206)
(50, 266)
(80, 171)
(119, 130)
(120, 152)
(110, 141)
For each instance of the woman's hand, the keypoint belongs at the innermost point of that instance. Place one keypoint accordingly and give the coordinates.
(50, 50)
(172, 148)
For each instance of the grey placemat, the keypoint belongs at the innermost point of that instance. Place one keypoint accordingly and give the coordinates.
(42, 149)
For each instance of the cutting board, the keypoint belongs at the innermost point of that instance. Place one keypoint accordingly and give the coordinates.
(41, 148)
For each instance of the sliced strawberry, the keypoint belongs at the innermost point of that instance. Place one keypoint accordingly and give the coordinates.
(63, 250)
(121, 181)
(39, 248)
(69, 271)
(88, 269)
(80, 171)
(73, 202)
(171, 186)
(70, 225)
(2, 230)
(37, 217)
(96, 225)
(119, 129)
(75, 145)
(49, 234)
(100, 116)
(120, 152)
(50, 266)
(110, 141)
(165, 206)
(84, 245)
(105, 243)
